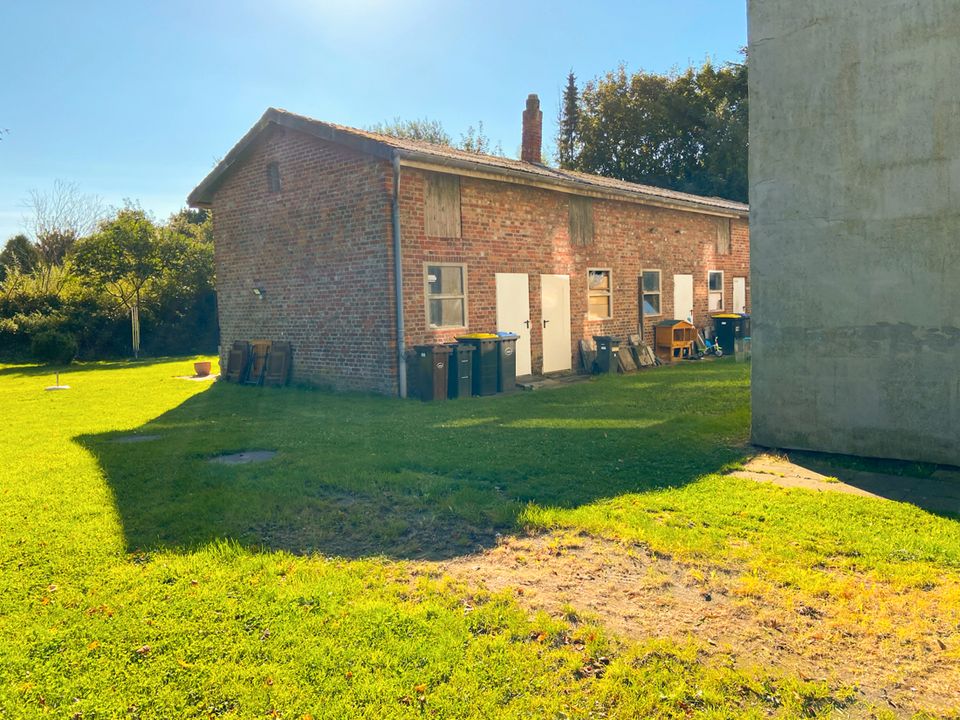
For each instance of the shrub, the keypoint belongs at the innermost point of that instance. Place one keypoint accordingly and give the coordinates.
(54, 347)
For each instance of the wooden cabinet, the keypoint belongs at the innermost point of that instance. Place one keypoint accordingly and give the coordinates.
(674, 340)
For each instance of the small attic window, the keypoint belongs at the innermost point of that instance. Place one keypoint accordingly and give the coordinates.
(273, 177)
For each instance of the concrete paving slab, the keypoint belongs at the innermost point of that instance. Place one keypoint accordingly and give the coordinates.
(938, 493)
(551, 381)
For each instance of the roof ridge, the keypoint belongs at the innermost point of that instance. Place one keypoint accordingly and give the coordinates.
(382, 143)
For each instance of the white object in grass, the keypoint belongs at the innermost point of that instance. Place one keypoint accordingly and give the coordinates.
(58, 386)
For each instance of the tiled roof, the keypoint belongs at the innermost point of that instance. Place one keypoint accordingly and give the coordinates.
(386, 145)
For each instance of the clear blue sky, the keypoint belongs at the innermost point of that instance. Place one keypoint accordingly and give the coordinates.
(138, 99)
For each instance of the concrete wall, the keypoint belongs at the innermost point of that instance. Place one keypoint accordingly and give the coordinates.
(855, 226)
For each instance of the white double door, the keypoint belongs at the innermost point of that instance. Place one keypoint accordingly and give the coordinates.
(513, 315)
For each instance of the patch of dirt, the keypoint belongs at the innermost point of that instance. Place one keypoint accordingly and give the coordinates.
(637, 595)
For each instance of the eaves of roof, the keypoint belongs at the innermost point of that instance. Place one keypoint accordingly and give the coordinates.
(430, 156)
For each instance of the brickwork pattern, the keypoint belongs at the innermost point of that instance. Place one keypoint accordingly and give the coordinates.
(508, 228)
(319, 250)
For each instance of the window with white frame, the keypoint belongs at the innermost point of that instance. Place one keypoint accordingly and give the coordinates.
(715, 290)
(446, 295)
(651, 293)
(599, 294)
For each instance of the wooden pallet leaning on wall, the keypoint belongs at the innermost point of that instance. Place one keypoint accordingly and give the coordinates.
(588, 355)
(642, 353)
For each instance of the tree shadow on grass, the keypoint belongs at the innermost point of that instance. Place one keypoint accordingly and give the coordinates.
(358, 475)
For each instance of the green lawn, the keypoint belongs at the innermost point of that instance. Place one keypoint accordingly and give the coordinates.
(140, 580)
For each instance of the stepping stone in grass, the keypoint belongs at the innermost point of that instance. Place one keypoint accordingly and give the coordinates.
(242, 458)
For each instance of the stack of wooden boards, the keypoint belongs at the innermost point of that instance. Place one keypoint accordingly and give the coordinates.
(635, 354)
(259, 362)
(640, 354)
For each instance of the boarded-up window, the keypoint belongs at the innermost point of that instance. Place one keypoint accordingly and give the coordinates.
(581, 221)
(599, 294)
(273, 177)
(723, 236)
(442, 206)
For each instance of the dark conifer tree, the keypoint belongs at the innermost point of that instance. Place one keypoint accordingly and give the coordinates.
(568, 124)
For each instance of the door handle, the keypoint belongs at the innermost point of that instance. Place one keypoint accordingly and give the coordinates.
(527, 323)
(545, 323)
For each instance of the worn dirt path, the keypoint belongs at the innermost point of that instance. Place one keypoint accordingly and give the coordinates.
(638, 595)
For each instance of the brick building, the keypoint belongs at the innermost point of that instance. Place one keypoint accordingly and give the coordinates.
(313, 223)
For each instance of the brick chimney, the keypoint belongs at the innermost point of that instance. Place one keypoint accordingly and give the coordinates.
(532, 130)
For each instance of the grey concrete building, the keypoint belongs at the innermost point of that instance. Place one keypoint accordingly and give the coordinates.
(855, 226)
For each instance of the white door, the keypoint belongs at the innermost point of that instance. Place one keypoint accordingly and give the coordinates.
(555, 319)
(513, 314)
(739, 295)
(683, 297)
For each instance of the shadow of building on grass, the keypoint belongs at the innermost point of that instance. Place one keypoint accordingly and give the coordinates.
(358, 475)
(934, 488)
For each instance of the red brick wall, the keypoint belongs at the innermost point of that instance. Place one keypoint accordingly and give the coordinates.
(320, 250)
(522, 229)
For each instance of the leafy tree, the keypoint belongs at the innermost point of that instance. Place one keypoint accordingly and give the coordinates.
(685, 132)
(18, 254)
(178, 302)
(426, 130)
(121, 259)
(54, 245)
(475, 140)
(725, 131)
(568, 124)
(196, 223)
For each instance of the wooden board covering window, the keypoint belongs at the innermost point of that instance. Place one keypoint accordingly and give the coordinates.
(599, 294)
(723, 236)
(442, 206)
(581, 221)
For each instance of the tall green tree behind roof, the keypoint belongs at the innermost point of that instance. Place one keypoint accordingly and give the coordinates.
(685, 131)
(568, 125)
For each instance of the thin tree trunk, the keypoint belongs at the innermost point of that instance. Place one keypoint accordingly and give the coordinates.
(135, 324)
